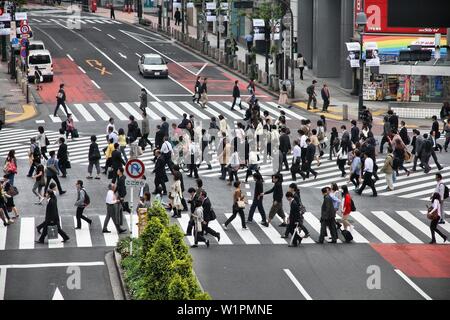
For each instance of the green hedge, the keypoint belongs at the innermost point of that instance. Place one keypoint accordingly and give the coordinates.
(160, 267)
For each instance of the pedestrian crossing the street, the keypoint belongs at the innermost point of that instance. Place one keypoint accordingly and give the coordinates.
(84, 21)
(394, 227)
(172, 110)
(417, 185)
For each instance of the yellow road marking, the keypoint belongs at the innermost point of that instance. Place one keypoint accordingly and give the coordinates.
(29, 111)
(98, 66)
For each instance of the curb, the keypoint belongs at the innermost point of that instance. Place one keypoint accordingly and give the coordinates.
(116, 276)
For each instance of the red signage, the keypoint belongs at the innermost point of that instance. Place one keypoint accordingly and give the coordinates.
(377, 18)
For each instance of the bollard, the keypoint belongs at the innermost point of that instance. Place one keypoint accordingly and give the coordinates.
(345, 112)
(235, 63)
(259, 76)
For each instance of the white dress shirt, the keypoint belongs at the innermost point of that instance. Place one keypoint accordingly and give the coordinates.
(303, 141)
(296, 153)
(166, 147)
(110, 197)
(368, 165)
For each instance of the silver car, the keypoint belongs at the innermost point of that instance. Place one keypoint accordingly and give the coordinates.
(153, 65)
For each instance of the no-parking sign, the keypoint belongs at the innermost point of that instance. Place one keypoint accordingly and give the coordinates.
(24, 29)
(135, 168)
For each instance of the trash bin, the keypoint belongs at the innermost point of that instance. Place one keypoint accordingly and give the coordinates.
(345, 112)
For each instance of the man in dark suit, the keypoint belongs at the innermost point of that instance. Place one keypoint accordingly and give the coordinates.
(160, 172)
(52, 218)
(236, 95)
(285, 147)
(393, 119)
(121, 192)
(345, 139)
(309, 158)
(208, 215)
(354, 132)
(62, 157)
(294, 219)
(116, 161)
(327, 218)
(197, 86)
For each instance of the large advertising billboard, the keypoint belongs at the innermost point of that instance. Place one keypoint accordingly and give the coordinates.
(377, 19)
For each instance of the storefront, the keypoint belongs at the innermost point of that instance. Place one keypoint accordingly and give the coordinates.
(407, 82)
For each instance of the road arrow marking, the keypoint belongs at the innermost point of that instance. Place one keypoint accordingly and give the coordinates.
(57, 295)
(122, 55)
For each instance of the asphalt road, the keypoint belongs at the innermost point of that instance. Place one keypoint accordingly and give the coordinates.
(240, 270)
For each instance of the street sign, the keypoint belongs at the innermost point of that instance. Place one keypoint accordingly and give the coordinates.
(135, 168)
(13, 31)
(1, 11)
(23, 22)
(134, 183)
(23, 42)
(23, 52)
(14, 41)
(24, 29)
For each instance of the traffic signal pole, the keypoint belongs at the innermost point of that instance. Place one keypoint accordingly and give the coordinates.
(13, 58)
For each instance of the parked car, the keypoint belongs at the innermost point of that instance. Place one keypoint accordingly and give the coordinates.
(43, 60)
(153, 65)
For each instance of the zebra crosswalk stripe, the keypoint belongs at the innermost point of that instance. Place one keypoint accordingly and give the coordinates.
(372, 228)
(131, 110)
(225, 110)
(83, 235)
(84, 112)
(99, 111)
(224, 239)
(194, 110)
(164, 111)
(112, 238)
(116, 111)
(3, 233)
(184, 221)
(246, 235)
(26, 239)
(398, 228)
(56, 243)
(289, 112)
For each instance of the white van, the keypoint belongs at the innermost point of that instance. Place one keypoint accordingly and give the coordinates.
(36, 45)
(43, 60)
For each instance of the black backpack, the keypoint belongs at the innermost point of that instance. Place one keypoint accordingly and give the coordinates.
(87, 200)
(310, 90)
(446, 191)
(36, 153)
(352, 205)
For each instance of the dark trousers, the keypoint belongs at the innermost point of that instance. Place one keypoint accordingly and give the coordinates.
(250, 169)
(312, 99)
(234, 103)
(198, 235)
(295, 168)
(190, 226)
(208, 229)
(232, 174)
(257, 203)
(433, 154)
(45, 230)
(416, 157)
(447, 142)
(111, 213)
(80, 216)
(160, 181)
(56, 179)
(32, 167)
(331, 224)
(368, 182)
(354, 178)
(308, 169)
(237, 211)
(291, 228)
(113, 16)
(43, 152)
(223, 171)
(193, 169)
(60, 103)
(341, 165)
(62, 167)
(301, 72)
(326, 103)
(433, 228)
(283, 160)
(146, 140)
(384, 139)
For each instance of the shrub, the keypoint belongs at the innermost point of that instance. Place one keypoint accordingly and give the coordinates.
(177, 237)
(158, 267)
(178, 289)
(123, 247)
(158, 210)
(151, 234)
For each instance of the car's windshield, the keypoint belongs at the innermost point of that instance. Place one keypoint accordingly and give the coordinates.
(39, 59)
(36, 47)
(153, 60)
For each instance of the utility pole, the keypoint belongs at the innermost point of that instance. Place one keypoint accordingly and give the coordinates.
(13, 25)
(448, 44)
(182, 16)
(218, 23)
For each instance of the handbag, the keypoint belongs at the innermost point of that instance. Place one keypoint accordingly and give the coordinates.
(110, 173)
(408, 156)
(241, 204)
(238, 100)
(177, 201)
(52, 232)
(68, 165)
(75, 133)
(432, 215)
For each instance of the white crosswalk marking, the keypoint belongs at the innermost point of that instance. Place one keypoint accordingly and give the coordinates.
(84, 112)
(184, 221)
(116, 22)
(80, 21)
(357, 237)
(176, 108)
(83, 235)
(100, 111)
(272, 234)
(132, 111)
(135, 226)
(26, 240)
(418, 224)
(225, 111)
(37, 20)
(246, 235)
(287, 111)
(3, 233)
(213, 112)
(192, 109)
(224, 239)
(372, 228)
(110, 238)
(116, 111)
(398, 228)
(99, 21)
(55, 119)
(107, 22)
(165, 112)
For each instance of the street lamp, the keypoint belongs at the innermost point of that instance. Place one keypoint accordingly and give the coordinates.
(361, 22)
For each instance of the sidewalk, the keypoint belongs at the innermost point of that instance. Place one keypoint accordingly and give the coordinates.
(12, 98)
